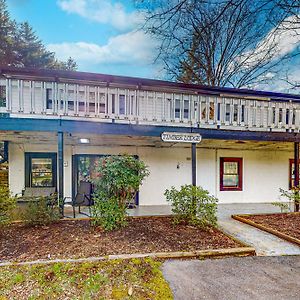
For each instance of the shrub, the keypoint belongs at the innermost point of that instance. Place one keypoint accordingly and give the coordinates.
(41, 211)
(109, 214)
(193, 205)
(292, 196)
(284, 207)
(118, 178)
(7, 204)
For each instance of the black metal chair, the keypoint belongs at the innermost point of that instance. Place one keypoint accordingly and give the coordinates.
(82, 198)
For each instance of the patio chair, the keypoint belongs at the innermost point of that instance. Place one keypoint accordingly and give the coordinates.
(82, 198)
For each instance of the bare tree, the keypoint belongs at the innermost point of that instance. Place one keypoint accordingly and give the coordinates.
(290, 8)
(235, 43)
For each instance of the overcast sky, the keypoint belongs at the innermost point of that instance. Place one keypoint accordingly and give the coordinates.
(103, 36)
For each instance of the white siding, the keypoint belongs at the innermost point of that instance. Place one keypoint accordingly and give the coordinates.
(264, 172)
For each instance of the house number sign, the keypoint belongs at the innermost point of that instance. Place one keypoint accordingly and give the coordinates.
(178, 137)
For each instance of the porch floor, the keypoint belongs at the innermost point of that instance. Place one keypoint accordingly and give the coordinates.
(224, 210)
(265, 244)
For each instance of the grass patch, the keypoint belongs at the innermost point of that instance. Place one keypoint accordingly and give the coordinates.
(115, 279)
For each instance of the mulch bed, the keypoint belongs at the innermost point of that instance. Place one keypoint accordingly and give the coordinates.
(77, 239)
(287, 223)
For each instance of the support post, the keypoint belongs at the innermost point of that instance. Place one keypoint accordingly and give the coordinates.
(60, 141)
(296, 178)
(5, 156)
(194, 164)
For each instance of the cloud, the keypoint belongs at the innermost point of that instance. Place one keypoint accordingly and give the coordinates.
(130, 48)
(104, 12)
(277, 44)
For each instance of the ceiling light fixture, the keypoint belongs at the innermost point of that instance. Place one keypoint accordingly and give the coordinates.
(84, 141)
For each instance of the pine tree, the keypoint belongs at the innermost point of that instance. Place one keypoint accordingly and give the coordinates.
(7, 36)
(21, 47)
(31, 51)
(71, 64)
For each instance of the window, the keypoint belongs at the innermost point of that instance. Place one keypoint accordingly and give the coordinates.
(49, 98)
(235, 113)
(40, 169)
(121, 104)
(61, 98)
(273, 115)
(81, 101)
(71, 97)
(92, 104)
(186, 109)
(292, 173)
(132, 103)
(243, 114)
(2, 96)
(177, 108)
(102, 103)
(227, 112)
(280, 115)
(113, 104)
(287, 116)
(231, 174)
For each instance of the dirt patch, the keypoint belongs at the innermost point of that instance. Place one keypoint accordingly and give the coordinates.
(287, 223)
(77, 239)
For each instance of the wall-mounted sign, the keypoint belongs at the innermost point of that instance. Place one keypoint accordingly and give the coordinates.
(178, 137)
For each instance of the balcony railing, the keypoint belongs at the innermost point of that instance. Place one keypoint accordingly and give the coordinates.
(24, 98)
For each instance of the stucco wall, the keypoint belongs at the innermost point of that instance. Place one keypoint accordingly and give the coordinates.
(264, 172)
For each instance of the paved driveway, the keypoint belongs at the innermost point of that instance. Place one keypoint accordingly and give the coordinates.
(235, 278)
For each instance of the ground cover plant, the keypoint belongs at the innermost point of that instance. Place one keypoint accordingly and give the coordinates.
(193, 205)
(7, 204)
(78, 239)
(287, 223)
(115, 279)
(118, 179)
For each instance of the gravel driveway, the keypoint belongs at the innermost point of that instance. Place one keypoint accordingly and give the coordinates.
(235, 278)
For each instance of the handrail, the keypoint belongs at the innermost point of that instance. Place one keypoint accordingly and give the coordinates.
(141, 105)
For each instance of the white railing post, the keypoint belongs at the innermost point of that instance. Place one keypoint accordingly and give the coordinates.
(8, 95)
(20, 94)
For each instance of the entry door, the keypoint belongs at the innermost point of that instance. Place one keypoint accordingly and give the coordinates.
(84, 170)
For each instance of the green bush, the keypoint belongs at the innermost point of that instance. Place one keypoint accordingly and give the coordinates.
(109, 214)
(193, 205)
(7, 204)
(293, 197)
(118, 178)
(41, 211)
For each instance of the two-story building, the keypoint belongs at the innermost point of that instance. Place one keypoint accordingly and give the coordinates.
(56, 124)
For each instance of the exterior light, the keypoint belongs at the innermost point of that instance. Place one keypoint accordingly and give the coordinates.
(84, 141)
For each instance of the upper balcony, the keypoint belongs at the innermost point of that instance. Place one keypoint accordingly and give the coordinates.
(103, 98)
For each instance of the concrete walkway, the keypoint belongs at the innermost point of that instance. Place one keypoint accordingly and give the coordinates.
(263, 242)
(244, 278)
